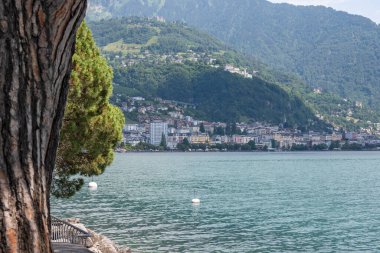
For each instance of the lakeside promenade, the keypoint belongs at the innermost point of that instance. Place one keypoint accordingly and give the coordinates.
(69, 248)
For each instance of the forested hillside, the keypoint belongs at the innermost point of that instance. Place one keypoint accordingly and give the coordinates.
(176, 62)
(142, 51)
(330, 50)
(217, 94)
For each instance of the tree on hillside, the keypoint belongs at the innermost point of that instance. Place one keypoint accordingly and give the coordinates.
(185, 145)
(163, 143)
(335, 145)
(186, 142)
(37, 40)
(252, 144)
(202, 128)
(219, 131)
(228, 130)
(91, 126)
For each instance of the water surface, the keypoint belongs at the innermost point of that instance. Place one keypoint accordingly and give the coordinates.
(250, 202)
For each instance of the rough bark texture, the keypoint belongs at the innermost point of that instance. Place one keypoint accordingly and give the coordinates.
(37, 40)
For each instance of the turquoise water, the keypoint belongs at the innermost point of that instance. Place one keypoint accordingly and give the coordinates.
(250, 202)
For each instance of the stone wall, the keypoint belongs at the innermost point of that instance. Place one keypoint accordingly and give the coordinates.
(99, 243)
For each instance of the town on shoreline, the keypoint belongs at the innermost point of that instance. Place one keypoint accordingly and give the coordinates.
(164, 126)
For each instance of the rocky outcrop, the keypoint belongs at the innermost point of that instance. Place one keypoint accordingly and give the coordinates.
(98, 243)
(102, 244)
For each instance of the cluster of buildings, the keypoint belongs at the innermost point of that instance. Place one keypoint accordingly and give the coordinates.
(140, 53)
(190, 56)
(243, 72)
(167, 119)
(213, 133)
(146, 56)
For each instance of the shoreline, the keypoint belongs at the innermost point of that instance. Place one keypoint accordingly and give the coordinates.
(242, 151)
(98, 243)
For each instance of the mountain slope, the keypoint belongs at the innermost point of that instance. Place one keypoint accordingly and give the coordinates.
(218, 95)
(331, 50)
(176, 62)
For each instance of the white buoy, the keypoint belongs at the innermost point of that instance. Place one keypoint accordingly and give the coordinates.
(92, 185)
(195, 201)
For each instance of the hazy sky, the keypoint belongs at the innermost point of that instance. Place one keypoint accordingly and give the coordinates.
(367, 8)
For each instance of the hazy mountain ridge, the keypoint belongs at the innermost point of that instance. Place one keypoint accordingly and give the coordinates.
(144, 51)
(152, 59)
(330, 50)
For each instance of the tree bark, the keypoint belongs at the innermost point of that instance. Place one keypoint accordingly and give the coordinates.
(37, 39)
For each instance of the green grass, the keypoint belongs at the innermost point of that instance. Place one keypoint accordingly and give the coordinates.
(151, 41)
(120, 46)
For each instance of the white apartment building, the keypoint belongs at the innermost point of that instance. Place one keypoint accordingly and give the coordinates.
(156, 131)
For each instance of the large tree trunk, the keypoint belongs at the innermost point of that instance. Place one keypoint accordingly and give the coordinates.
(37, 40)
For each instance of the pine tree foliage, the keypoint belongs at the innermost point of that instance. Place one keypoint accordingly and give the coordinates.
(92, 126)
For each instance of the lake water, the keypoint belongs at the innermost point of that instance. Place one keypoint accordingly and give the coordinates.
(250, 202)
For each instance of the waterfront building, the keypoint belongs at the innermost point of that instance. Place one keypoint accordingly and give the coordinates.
(130, 127)
(240, 139)
(194, 129)
(184, 130)
(216, 140)
(199, 139)
(157, 129)
(172, 141)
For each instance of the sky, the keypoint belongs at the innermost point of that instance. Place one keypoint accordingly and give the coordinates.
(367, 8)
